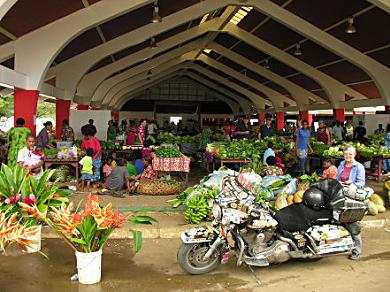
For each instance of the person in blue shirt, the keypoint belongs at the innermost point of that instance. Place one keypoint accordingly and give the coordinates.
(386, 162)
(138, 161)
(269, 152)
(352, 172)
(302, 147)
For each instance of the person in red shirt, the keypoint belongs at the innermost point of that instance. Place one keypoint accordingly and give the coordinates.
(323, 134)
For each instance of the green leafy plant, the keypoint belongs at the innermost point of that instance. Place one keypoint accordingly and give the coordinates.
(30, 198)
(136, 219)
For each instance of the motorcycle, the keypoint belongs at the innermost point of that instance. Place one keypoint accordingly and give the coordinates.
(259, 236)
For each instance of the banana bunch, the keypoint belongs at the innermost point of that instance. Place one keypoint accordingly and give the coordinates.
(197, 209)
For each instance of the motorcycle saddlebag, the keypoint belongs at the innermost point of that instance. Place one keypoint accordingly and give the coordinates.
(299, 217)
(352, 211)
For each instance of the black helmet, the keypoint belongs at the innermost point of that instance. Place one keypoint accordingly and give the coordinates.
(314, 198)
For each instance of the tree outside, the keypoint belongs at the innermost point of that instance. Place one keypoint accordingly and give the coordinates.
(45, 109)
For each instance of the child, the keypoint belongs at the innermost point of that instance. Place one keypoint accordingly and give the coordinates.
(148, 173)
(114, 158)
(330, 171)
(87, 169)
(118, 179)
(107, 168)
(272, 169)
(138, 163)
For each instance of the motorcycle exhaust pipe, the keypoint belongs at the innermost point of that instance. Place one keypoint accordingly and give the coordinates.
(213, 248)
(289, 241)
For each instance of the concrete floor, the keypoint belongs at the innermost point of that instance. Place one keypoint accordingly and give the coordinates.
(155, 269)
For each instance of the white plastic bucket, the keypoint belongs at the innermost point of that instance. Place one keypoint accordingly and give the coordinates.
(89, 267)
(36, 245)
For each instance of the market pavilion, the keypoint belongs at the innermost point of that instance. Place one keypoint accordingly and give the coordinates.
(230, 56)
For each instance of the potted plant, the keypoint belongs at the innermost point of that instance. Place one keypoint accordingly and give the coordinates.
(29, 199)
(86, 231)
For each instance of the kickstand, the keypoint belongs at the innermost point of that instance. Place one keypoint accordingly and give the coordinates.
(254, 275)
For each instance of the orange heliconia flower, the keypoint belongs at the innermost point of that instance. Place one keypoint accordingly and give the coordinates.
(65, 220)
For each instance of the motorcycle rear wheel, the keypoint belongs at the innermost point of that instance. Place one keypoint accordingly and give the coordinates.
(190, 258)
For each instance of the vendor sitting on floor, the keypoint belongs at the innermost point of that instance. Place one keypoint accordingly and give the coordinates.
(118, 179)
(272, 169)
(138, 161)
(148, 173)
(132, 170)
(330, 171)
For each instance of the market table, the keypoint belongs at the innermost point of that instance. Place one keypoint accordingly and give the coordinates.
(377, 172)
(320, 158)
(180, 164)
(72, 162)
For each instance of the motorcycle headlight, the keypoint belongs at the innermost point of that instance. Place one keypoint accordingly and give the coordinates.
(217, 211)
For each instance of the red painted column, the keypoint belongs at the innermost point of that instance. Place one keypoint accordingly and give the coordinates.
(25, 106)
(387, 109)
(62, 113)
(115, 116)
(82, 107)
(304, 115)
(339, 114)
(280, 120)
(261, 118)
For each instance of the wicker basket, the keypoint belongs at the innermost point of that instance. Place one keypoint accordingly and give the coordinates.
(159, 188)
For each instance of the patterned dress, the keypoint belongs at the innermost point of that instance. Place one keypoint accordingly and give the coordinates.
(17, 140)
(272, 170)
(149, 173)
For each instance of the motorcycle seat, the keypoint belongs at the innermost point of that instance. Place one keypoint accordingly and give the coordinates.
(299, 217)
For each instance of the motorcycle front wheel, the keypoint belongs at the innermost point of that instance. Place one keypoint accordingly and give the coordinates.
(191, 258)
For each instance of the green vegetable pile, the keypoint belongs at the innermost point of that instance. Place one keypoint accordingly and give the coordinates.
(110, 145)
(319, 147)
(333, 152)
(242, 149)
(196, 199)
(309, 179)
(169, 138)
(50, 152)
(168, 152)
(197, 209)
(247, 149)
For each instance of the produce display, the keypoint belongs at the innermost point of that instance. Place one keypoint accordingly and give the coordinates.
(170, 138)
(376, 205)
(279, 192)
(110, 145)
(196, 199)
(168, 152)
(365, 151)
(62, 173)
(249, 149)
(386, 189)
